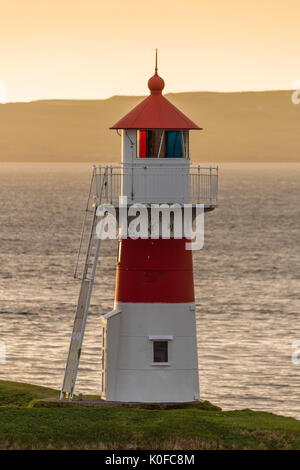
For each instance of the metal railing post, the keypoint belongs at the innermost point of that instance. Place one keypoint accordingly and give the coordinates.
(198, 199)
(210, 185)
(111, 183)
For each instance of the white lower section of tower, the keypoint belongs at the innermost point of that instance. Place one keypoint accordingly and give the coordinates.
(131, 372)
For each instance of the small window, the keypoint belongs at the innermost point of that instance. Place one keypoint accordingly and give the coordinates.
(160, 351)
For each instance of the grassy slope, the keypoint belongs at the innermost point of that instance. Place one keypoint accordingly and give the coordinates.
(26, 424)
(21, 394)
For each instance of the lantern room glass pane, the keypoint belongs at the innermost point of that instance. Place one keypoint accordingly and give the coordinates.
(142, 142)
(174, 144)
(151, 143)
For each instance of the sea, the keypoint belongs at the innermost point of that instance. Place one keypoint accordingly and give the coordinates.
(247, 283)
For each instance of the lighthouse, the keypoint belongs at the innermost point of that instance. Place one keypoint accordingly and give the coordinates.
(149, 340)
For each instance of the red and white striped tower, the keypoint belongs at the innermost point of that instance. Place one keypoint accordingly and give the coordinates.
(150, 344)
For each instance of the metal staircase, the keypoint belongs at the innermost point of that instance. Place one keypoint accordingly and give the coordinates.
(87, 280)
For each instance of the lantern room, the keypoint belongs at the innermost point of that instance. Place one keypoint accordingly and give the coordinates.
(155, 149)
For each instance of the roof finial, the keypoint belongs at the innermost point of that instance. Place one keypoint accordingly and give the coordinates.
(156, 83)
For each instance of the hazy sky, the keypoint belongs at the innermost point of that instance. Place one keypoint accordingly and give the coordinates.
(95, 49)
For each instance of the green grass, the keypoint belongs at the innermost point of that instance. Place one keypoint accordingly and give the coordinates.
(21, 394)
(28, 424)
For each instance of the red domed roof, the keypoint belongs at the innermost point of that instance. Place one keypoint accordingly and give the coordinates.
(155, 112)
(156, 84)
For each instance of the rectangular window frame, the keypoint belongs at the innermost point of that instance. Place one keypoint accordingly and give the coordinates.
(155, 339)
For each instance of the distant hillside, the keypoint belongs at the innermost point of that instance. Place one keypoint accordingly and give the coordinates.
(250, 126)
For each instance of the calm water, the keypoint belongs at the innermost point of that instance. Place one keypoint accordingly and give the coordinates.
(247, 281)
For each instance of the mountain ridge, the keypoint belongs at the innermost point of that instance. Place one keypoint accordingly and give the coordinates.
(246, 126)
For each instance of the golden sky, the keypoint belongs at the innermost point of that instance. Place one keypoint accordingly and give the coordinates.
(94, 49)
